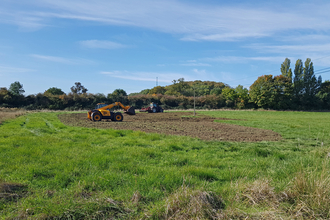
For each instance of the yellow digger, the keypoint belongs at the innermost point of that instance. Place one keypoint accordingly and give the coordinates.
(102, 111)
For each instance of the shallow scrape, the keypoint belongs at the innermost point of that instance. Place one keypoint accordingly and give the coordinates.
(11, 191)
(177, 123)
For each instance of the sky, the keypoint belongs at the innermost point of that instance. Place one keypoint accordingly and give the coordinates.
(126, 44)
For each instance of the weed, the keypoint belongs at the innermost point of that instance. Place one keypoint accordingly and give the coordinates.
(187, 203)
(310, 193)
(260, 191)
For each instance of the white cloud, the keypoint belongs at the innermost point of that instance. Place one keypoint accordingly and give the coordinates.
(193, 21)
(309, 38)
(101, 44)
(144, 76)
(195, 64)
(292, 49)
(199, 72)
(223, 37)
(317, 52)
(25, 21)
(7, 70)
(239, 59)
(166, 77)
(61, 59)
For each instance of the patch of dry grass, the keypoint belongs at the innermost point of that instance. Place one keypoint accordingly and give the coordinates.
(187, 203)
(136, 198)
(310, 192)
(260, 192)
(9, 113)
(307, 196)
(259, 196)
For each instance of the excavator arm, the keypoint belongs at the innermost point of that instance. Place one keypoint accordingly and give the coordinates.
(126, 108)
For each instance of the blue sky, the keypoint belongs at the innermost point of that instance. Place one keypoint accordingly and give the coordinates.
(126, 44)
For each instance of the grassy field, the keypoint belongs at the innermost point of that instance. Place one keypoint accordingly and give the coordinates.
(52, 171)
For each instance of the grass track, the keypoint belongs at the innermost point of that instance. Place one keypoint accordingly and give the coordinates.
(73, 172)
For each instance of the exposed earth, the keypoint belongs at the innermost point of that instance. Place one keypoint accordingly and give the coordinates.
(177, 123)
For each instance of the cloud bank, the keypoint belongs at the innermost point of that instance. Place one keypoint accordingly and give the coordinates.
(193, 22)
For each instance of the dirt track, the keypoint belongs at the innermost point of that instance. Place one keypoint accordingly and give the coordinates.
(174, 123)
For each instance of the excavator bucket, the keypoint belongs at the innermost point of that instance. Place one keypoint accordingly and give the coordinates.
(130, 111)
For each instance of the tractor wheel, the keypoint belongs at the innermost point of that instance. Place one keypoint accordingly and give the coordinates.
(161, 110)
(154, 110)
(118, 116)
(96, 116)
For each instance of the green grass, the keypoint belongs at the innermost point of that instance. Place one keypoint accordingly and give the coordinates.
(82, 173)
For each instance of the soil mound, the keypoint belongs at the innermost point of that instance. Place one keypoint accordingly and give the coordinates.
(177, 123)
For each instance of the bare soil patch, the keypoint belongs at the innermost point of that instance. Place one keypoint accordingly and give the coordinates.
(177, 123)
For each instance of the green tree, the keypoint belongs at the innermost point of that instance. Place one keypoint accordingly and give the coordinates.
(98, 98)
(78, 88)
(271, 92)
(178, 87)
(298, 81)
(118, 95)
(324, 95)
(230, 95)
(119, 92)
(285, 68)
(216, 91)
(5, 97)
(142, 92)
(54, 91)
(311, 84)
(157, 90)
(242, 96)
(145, 91)
(16, 88)
(325, 87)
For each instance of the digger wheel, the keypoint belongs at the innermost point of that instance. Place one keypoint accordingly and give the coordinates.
(96, 116)
(118, 116)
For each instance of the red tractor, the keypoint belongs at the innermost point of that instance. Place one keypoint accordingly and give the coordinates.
(153, 108)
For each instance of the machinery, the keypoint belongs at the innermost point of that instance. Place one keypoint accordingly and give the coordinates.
(102, 111)
(153, 108)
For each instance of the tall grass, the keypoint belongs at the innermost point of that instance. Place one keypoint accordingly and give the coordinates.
(84, 173)
(310, 193)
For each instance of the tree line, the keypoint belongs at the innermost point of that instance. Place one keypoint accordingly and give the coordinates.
(299, 90)
(296, 90)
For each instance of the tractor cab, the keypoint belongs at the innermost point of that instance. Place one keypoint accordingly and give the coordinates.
(153, 108)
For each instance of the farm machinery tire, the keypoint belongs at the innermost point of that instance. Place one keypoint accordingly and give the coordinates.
(118, 116)
(96, 116)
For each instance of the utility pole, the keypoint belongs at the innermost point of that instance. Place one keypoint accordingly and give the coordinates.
(194, 102)
(156, 81)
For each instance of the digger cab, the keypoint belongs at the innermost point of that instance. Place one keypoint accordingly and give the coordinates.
(100, 105)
